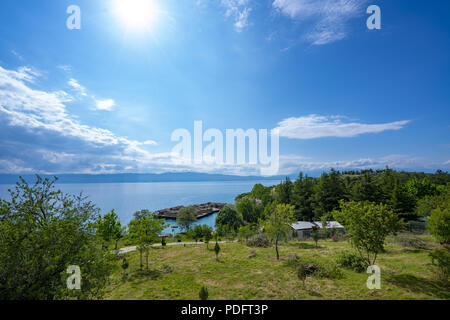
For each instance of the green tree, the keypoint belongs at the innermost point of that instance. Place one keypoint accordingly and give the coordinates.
(44, 231)
(229, 216)
(367, 225)
(283, 191)
(144, 230)
(186, 216)
(278, 224)
(438, 224)
(302, 197)
(402, 202)
(366, 189)
(249, 210)
(328, 192)
(109, 228)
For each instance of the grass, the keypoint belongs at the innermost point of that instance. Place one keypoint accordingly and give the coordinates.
(179, 272)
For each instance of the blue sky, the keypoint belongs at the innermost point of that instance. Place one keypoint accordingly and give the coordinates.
(106, 98)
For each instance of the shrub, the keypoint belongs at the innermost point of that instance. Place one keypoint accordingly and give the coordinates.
(440, 259)
(259, 240)
(352, 261)
(411, 241)
(167, 268)
(203, 294)
(313, 268)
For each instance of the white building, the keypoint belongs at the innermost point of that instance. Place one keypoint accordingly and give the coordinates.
(303, 228)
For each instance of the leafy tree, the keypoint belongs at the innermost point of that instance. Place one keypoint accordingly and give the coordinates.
(186, 216)
(144, 230)
(249, 210)
(229, 216)
(203, 294)
(109, 228)
(419, 189)
(278, 224)
(262, 193)
(438, 224)
(368, 225)
(44, 231)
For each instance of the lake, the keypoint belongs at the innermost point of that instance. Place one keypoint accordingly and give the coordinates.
(127, 198)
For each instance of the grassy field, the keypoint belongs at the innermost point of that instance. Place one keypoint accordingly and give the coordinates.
(179, 272)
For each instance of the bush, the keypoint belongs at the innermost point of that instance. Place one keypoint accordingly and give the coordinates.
(203, 294)
(352, 261)
(259, 240)
(312, 268)
(411, 241)
(440, 259)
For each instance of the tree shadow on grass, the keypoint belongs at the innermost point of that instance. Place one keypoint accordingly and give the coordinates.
(413, 283)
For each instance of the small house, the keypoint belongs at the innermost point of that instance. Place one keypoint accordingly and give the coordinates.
(303, 228)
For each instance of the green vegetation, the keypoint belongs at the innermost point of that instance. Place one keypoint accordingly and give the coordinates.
(203, 294)
(186, 216)
(405, 274)
(367, 225)
(42, 233)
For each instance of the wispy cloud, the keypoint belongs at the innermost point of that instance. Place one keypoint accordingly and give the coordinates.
(291, 164)
(329, 17)
(106, 105)
(74, 84)
(239, 11)
(315, 126)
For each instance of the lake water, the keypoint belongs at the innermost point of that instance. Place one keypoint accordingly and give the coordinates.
(127, 198)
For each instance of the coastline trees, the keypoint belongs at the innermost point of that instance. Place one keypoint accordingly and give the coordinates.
(229, 217)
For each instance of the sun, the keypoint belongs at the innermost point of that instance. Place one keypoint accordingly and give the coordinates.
(139, 15)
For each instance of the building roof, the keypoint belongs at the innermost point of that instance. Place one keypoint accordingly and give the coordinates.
(330, 225)
(302, 225)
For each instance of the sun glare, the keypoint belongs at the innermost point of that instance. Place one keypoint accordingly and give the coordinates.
(139, 15)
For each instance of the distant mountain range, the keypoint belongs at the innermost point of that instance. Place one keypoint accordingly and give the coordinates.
(135, 178)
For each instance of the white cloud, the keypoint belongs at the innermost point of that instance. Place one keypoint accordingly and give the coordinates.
(239, 10)
(315, 126)
(292, 164)
(40, 110)
(106, 105)
(329, 17)
(77, 86)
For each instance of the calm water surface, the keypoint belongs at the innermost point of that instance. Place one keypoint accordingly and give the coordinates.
(127, 198)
